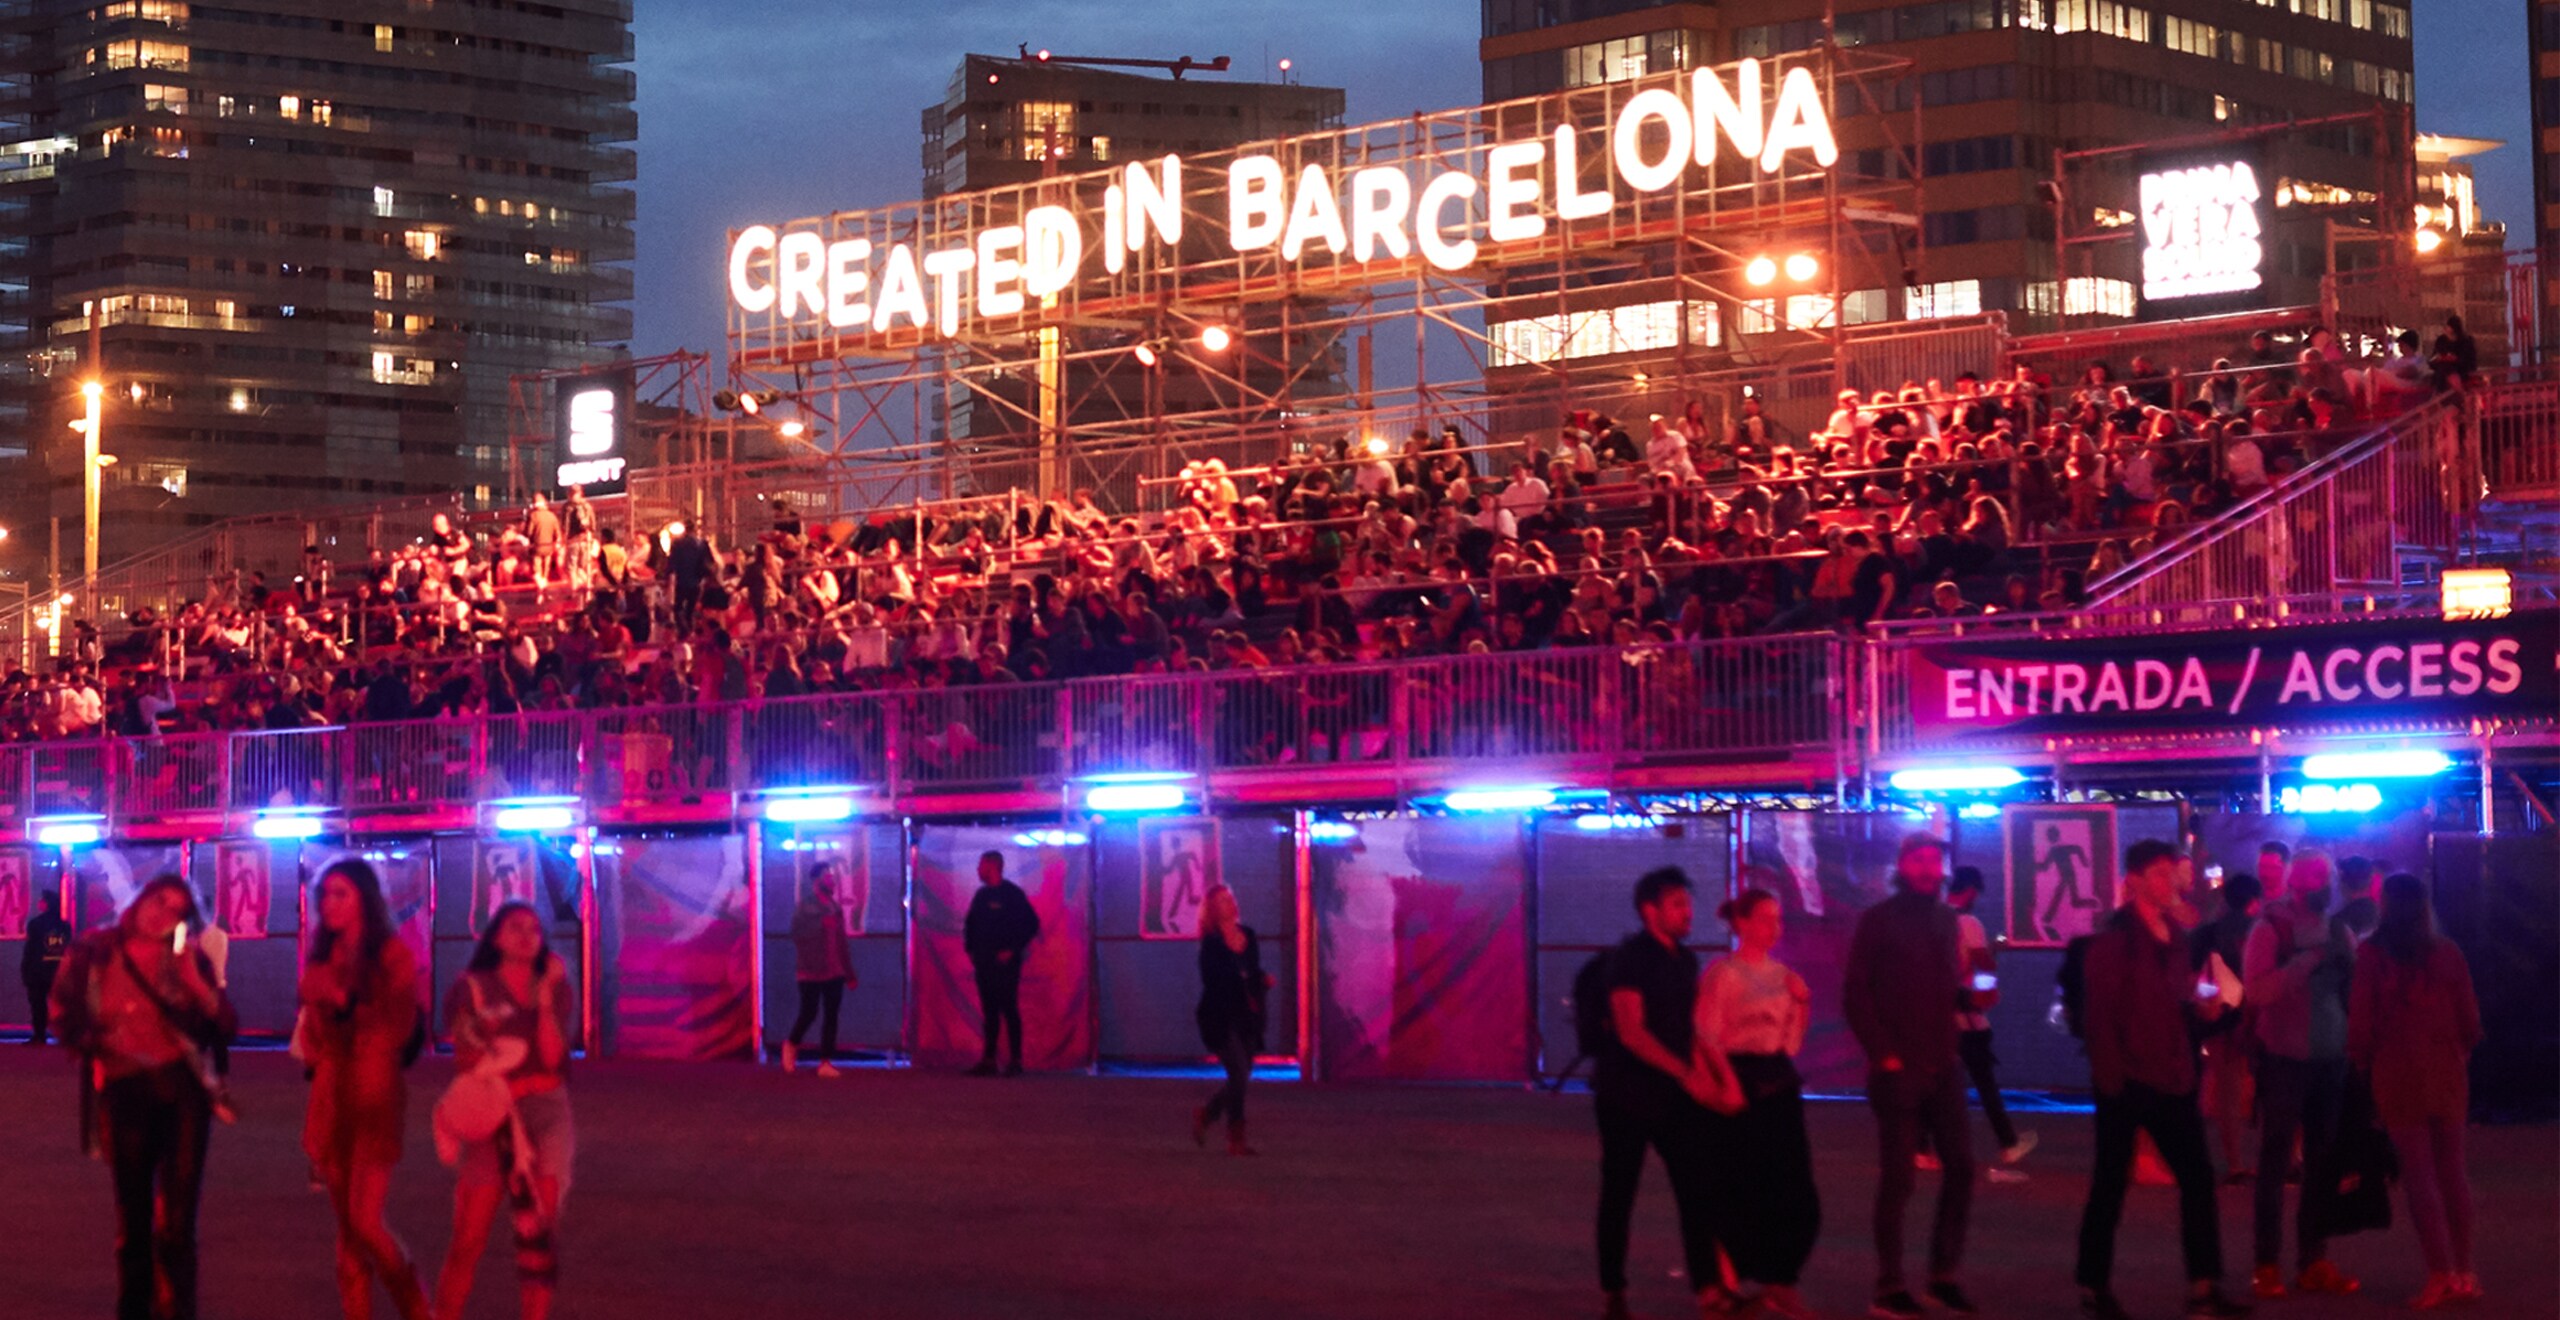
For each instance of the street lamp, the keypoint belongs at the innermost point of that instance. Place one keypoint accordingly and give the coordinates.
(94, 394)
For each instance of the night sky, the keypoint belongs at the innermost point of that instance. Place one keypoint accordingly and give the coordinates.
(769, 110)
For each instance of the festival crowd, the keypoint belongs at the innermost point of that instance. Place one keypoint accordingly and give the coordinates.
(1936, 499)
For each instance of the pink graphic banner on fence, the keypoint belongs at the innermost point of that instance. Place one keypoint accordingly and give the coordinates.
(944, 1019)
(1425, 959)
(680, 984)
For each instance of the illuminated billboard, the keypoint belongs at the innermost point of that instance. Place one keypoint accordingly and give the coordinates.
(1413, 205)
(592, 432)
(2204, 228)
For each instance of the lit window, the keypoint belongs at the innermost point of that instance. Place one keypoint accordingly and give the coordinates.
(2093, 296)
(384, 200)
(289, 106)
(423, 244)
(1100, 148)
(382, 285)
(382, 37)
(1928, 302)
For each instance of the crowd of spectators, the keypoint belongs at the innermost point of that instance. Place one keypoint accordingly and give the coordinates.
(1934, 499)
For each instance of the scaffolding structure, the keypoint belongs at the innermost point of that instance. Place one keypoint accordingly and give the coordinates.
(1327, 347)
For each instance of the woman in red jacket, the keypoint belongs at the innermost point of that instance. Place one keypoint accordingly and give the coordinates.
(2412, 1022)
(360, 993)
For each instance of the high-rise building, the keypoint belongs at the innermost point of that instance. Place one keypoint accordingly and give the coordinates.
(1017, 120)
(2543, 25)
(304, 246)
(2003, 85)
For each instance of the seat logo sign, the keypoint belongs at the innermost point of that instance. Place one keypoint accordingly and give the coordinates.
(591, 438)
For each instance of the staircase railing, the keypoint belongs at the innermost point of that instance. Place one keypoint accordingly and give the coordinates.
(2350, 521)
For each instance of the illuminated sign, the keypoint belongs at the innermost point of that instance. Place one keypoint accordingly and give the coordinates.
(594, 414)
(2478, 593)
(1515, 192)
(2203, 229)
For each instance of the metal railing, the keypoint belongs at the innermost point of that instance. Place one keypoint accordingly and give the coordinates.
(1595, 708)
(2351, 521)
(2520, 439)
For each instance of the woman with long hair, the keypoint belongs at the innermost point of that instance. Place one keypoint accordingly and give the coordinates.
(138, 1004)
(1751, 1018)
(1234, 1006)
(361, 989)
(513, 1003)
(2412, 1022)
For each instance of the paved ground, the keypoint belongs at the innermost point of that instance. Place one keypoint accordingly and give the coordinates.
(716, 1191)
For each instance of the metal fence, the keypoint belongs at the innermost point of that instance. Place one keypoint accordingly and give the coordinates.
(2358, 519)
(1594, 709)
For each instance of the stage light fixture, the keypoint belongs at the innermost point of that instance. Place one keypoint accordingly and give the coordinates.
(1217, 339)
(809, 809)
(289, 823)
(1332, 831)
(2414, 763)
(1377, 446)
(1760, 272)
(2429, 240)
(1146, 354)
(1105, 798)
(1803, 266)
(794, 429)
(67, 831)
(1499, 799)
(1956, 779)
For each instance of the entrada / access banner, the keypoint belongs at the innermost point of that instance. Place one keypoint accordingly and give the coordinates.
(2381, 672)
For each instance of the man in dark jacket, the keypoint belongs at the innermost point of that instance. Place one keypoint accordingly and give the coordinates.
(1000, 926)
(2140, 1008)
(40, 960)
(1901, 999)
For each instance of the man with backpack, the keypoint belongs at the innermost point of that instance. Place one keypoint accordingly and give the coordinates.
(2296, 969)
(1642, 1088)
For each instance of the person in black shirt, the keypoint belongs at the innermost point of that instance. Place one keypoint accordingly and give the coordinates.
(40, 960)
(999, 927)
(1645, 1088)
(1234, 1006)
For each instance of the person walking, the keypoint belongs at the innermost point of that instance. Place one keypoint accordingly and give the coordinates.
(137, 1006)
(1000, 926)
(1901, 996)
(1973, 1030)
(825, 958)
(513, 1002)
(1647, 1089)
(2228, 1070)
(2412, 1023)
(215, 942)
(2140, 1003)
(361, 990)
(2295, 969)
(1234, 1009)
(1752, 1012)
(40, 960)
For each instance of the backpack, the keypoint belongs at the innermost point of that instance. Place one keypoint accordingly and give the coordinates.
(1590, 1001)
(1592, 1031)
(2070, 986)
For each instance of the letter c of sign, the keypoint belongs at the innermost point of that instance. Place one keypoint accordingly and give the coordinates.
(752, 298)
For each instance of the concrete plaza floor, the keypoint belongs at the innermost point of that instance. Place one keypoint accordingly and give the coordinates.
(716, 1191)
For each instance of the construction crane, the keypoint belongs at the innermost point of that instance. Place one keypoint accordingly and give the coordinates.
(1176, 67)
